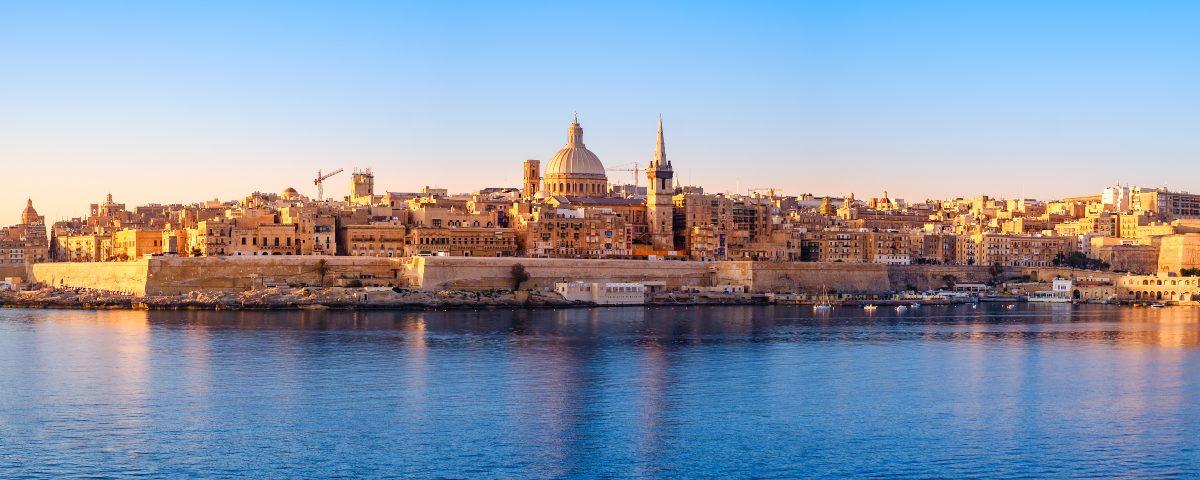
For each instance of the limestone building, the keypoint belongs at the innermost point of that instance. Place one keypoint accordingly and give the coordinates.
(25, 242)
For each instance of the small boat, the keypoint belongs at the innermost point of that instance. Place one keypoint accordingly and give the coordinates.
(1010, 306)
(822, 307)
(870, 308)
(973, 305)
(915, 305)
(1157, 305)
(901, 308)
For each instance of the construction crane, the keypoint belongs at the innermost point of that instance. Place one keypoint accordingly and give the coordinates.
(320, 183)
(770, 191)
(635, 171)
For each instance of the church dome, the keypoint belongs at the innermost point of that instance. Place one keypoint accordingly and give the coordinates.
(29, 214)
(574, 159)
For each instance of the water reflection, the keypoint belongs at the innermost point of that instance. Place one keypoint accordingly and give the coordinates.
(1038, 390)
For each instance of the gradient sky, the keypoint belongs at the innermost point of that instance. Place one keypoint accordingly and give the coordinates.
(184, 101)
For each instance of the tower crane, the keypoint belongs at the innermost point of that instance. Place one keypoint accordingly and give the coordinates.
(320, 183)
(770, 191)
(633, 169)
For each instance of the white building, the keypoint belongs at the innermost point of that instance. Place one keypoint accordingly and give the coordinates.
(1060, 292)
(602, 293)
(893, 258)
(1117, 198)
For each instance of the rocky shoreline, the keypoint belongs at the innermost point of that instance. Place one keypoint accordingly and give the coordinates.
(283, 298)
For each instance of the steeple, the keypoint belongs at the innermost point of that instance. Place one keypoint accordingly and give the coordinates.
(660, 208)
(660, 148)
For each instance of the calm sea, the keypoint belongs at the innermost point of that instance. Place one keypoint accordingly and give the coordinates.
(697, 392)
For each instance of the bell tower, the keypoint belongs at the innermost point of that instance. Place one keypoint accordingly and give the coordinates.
(660, 207)
(533, 178)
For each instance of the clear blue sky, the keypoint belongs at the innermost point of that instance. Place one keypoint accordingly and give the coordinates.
(182, 101)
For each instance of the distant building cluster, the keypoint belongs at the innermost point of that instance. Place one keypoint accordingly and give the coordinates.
(569, 209)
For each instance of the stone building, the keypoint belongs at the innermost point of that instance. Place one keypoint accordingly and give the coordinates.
(26, 242)
(573, 233)
(134, 243)
(1159, 288)
(462, 242)
(376, 240)
(1020, 250)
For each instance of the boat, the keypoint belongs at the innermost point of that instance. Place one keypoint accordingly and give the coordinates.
(870, 308)
(1010, 306)
(1157, 305)
(915, 305)
(824, 303)
(901, 308)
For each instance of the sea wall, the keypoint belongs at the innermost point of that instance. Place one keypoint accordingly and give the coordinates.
(115, 276)
(813, 276)
(475, 273)
(1047, 274)
(13, 270)
(172, 275)
(169, 275)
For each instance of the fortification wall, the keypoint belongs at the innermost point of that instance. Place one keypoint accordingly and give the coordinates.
(798, 277)
(170, 275)
(844, 277)
(1047, 274)
(116, 276)
(1177, 252)
(931, 277)
(11, 270)
(474, 273)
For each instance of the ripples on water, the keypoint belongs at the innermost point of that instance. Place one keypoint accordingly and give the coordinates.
(1039, 391)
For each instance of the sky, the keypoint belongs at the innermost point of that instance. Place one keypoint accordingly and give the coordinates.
(185, 101)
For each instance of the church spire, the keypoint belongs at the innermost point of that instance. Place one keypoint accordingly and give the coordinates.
(660, 148)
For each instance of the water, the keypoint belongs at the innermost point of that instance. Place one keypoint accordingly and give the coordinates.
(1037, 391)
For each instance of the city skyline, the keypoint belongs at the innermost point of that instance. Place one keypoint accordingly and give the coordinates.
(928, 100)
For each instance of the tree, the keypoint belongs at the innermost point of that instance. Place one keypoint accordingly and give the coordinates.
(53, 252)
(1190, 272)
(322, 270)
(519, 276)
(949, 281)
(1080, 261)
(996, 270)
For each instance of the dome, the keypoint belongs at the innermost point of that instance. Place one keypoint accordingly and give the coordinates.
(290, 194)
(574, 159)
(29, 214)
